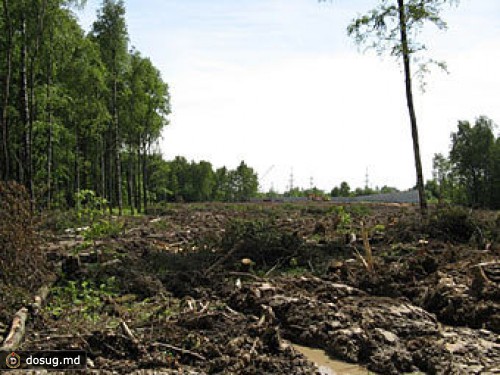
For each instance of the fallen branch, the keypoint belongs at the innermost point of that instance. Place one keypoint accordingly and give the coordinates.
(234, 312)
(205, 308)
(126, 330)
(361, 258)
(245, 274)
(128, 333)
(16, 333)
(180, 350)
(219, 261)
(278, 263)
(368, 248)
(492, 263)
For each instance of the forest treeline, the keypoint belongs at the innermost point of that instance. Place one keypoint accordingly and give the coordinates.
(182, 181)
(78, 111)
(470, 174)
(83, 111)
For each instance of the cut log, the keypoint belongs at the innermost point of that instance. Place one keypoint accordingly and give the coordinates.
(40, 298)
(17, 329)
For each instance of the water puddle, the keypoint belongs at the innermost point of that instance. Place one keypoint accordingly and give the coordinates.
(328, 366)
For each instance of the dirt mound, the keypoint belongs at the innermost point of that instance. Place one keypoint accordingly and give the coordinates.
(224, 289)
(390, 336)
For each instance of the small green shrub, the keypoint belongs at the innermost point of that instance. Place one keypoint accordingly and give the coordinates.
(452, 224)
(88, 297)
(89, 205)
(260, 240)
(103, 228)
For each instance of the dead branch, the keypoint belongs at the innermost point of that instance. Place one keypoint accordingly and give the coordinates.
(368, 248)
(126, 330)
(205, 308)
(219, 261)
(234, 312)
(245, 274)
(180, 350)
(360, 257)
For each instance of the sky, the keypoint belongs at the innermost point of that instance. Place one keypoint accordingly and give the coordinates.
(280, 85)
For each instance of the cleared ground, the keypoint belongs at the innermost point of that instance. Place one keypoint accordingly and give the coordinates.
(225, 288)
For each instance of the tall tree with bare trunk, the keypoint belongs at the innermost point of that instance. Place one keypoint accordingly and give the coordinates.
(393, 26)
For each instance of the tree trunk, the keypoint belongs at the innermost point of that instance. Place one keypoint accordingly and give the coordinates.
(31, 106)
(145, 176)
(110, 182)
(25, 116)
(77, 167)
(138, 179)
(5, 113)
(411, 108)
(118, 169)
(130, 182)
(103, 170)
(49, 120)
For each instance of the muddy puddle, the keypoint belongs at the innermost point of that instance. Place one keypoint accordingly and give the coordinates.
(328, 366)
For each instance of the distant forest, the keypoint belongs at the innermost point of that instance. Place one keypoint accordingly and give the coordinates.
(470, 174)
(85, 112)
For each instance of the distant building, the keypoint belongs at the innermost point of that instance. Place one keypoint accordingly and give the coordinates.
(410, 196)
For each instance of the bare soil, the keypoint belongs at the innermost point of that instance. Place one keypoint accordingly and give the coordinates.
(207, 289)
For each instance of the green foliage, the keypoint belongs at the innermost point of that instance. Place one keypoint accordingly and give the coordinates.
(393, 26)
(452, 224)
(345, 219)
(89, 102)
(380, 30)
(89, 205)
(359, 210)
(312, 193)
(84, 298)
(197, 182)
(261, 241)
(471, 174)
(103, 228)
(90, 210)
(344, 190)
(471, 154)
(110, 31)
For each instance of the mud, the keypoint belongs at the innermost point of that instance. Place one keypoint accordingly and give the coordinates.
(328, 366)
